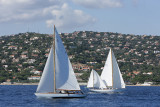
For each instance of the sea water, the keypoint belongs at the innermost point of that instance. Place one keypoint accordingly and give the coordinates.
(133, 96)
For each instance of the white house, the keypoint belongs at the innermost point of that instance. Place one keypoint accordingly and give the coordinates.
(34, 78)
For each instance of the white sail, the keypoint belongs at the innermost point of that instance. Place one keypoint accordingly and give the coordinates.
(64, 74)
(65, 77)
(95, 81)
(106, 75)
(118, 81)
(46, 83)
(111, 74)
(90, 81)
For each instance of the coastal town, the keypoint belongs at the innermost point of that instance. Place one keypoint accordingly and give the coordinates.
(23, 55)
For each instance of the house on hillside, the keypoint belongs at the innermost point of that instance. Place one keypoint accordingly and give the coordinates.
(80, 67)
(34, 78)
(36, 72)
(12, 47)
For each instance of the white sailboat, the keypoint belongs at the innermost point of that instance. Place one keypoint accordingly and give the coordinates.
(111, 74)
(95, 83)
(58, 79)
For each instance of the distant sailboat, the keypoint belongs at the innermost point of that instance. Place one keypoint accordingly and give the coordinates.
(95, 82)
(111, 79)
(111, 74)
(58, 79)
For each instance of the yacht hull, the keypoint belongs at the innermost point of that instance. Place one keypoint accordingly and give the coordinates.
(57, 95)
(107, 90)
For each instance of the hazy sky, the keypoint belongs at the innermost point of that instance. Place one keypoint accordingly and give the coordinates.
(122, 16)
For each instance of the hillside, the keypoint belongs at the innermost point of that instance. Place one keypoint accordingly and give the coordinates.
(24, 55)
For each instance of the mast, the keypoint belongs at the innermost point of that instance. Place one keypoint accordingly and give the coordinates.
(112, 67)
(54, 70)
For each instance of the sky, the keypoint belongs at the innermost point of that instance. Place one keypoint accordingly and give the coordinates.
(140, 17)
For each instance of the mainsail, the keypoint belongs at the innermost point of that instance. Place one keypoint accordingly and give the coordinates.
(64, 75)
(111, 74)
(95, 81)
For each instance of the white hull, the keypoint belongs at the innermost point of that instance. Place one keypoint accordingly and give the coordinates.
(107, 90)
(57, 95)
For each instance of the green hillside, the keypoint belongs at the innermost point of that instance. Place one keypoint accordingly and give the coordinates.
(138, 56)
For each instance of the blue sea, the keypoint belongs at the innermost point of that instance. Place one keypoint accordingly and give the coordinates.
(133, 96)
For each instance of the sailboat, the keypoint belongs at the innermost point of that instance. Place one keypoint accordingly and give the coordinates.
(58, 79)
(95, 83)
(111, 74)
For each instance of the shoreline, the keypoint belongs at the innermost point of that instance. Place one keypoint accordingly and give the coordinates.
(79, 84)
